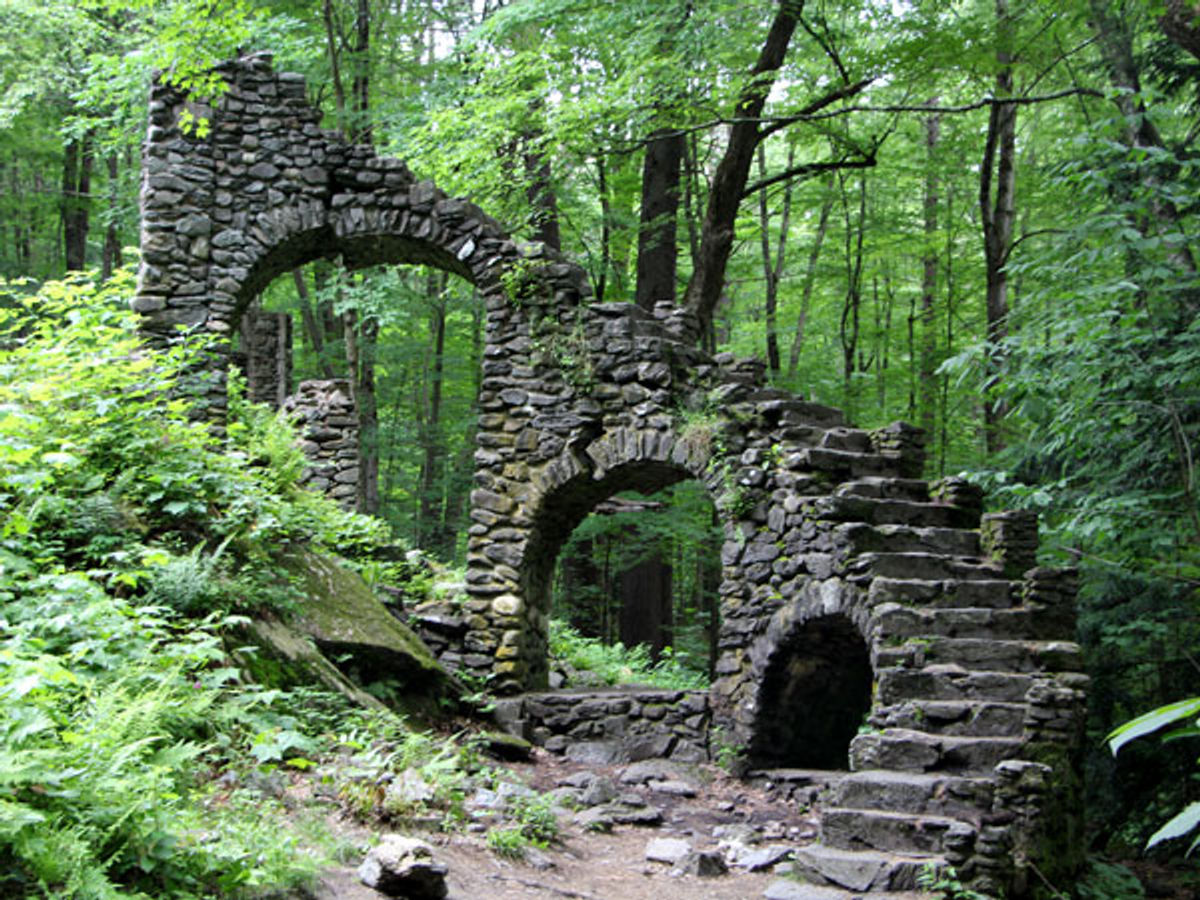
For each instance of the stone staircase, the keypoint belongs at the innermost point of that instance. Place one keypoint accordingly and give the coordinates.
(967, 636)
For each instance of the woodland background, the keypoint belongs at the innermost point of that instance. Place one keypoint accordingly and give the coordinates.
(976, 216)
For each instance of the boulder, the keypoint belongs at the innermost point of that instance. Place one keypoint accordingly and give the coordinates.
(404, 867)
(341, 614)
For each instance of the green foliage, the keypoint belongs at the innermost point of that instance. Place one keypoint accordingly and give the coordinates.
(1188, 819)
(943, 882)
(1108, 881)
(616, 664)
(536, 825)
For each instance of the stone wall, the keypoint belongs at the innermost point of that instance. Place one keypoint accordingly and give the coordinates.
(618, 725)
(324, 413)
(265, 355)
(965, 671)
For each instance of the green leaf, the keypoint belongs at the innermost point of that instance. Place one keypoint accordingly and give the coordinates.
(1179, 825)
(1151, 722)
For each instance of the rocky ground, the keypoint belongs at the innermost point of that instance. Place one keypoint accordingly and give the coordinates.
(653, 830)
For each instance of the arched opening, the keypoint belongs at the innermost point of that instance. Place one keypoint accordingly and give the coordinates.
(815, 696)
(403, 343)
(632, 559)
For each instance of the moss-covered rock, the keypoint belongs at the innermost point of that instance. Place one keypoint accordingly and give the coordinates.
(337, 617)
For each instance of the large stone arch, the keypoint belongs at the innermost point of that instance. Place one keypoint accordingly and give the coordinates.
(975, 718)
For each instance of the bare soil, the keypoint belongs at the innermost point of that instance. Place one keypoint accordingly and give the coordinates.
(590, 865)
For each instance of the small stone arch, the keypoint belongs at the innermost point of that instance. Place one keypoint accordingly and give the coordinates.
(561, 495)
(814, 679)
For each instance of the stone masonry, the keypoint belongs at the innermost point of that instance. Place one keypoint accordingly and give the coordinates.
(870, 620)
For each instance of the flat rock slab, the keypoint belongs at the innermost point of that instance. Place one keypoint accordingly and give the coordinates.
(667, 850)
(786, 889)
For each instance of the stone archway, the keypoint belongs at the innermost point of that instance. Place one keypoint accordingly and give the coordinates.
(814, 696)
(976, 710)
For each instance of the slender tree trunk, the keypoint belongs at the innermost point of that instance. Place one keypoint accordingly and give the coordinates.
(773, 268)
(111, 257)
(656, 257)
(333, 48)
(851, 310)
(606, 262)
(76, 191)
(539, 189)
(434, 452)
(360, 89)
(929, 271)
(997, 185)
(1116, 44)
(312, 328)
(716, 236)
(810, 279)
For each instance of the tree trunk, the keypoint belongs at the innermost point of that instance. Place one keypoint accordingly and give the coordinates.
(539, 191)
(929, 269)
(810, 278)
(773, 268)
(312, 328)
(646, 605)
(76, 190)
(997, 185)
(716, 235)
(433, 450)
(360, 88)
(1116, 45)
(848, 331)
(656, 258)
(111, 257)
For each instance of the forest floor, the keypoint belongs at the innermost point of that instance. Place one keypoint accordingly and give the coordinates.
(586, 864)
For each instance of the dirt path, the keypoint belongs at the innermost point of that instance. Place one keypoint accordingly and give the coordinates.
(590, 865)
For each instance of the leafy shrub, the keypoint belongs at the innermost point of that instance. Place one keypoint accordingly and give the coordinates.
(618, 664)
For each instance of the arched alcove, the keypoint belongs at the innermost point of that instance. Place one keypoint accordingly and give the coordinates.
(816, 692)
(559, 513)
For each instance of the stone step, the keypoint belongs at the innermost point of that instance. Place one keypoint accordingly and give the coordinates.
(842, 462)
(909, 750)
(791, 889)
(961, 718)
(915, 793)
(923, 566)
(799, 786)
(896, 621)
(990, 655)
(790, 410)
(909, 539)
(853, 439)
(950, 682)
(848, 508)
(868, 829)
(993, 593)
(859, 870)
(913, 490)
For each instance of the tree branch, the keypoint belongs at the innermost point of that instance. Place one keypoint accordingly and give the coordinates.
(842, 93)
(805, 170)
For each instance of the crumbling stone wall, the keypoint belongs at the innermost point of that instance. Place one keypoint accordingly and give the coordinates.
(615, 725)
(323, 411)
(972, 723)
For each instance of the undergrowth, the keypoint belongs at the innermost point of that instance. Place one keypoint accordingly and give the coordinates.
(618, 664)
(131, 544)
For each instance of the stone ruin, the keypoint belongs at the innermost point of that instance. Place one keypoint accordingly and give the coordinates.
(871, 621)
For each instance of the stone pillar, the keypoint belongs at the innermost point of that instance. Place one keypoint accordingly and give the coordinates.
(328, 424)
(266, 355)
(1011, 539)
